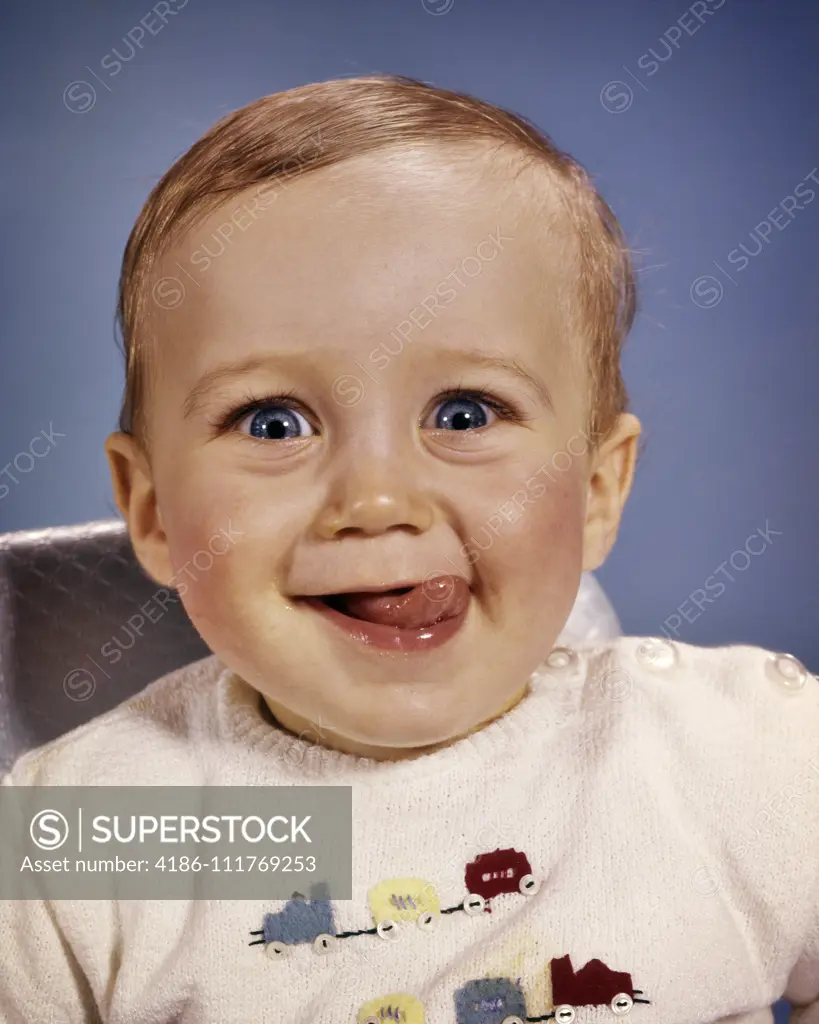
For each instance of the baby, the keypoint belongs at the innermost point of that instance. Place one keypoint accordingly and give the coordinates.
(373, 334)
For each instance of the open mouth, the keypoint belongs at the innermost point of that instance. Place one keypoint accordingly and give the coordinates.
(345, 602)
(410, 617)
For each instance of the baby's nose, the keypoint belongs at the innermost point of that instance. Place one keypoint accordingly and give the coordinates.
(374, 510)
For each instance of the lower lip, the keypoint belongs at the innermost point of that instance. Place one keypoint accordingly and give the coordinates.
(390, 638)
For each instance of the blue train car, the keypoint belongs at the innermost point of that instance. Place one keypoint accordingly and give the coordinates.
(489, 1001)
(300, 921)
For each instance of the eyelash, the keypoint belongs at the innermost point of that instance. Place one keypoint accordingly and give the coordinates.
(504, 410)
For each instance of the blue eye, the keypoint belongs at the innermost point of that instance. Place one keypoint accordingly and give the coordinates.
(277, 423)
(278, 417)
(460, 414)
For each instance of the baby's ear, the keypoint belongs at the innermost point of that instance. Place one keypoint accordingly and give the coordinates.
(612, 472)
(136, 499)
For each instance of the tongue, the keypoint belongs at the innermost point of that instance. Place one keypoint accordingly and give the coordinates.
(443, 597)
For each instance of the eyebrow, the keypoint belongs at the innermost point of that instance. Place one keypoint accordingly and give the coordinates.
(506, 364)
(236, 369)
(233, 370)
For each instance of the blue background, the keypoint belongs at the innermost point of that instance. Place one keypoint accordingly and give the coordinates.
(691, 159)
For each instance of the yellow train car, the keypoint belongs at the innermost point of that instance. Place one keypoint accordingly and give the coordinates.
(404, 899)
(398, 1007)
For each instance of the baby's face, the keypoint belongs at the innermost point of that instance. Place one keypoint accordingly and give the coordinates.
(370, 294)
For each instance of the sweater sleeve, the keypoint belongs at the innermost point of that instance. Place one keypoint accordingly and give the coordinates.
(802, 990)
(40, 976)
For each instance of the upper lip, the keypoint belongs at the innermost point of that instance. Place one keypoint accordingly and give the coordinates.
(373, 588)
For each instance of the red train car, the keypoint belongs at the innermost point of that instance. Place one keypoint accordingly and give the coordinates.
(491, 874)
(594, 984)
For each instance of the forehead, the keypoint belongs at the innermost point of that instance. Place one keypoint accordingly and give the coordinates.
(339, 257)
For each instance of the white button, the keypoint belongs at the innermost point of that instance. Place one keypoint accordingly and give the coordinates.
(388, 930)
(621, 1004)
(562, 657)
(474, 904)
(657, 654)
(529, 885)
(324, 943)
(787, 671)
(565, 1014)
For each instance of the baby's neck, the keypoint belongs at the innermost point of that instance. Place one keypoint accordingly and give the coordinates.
(333, 741)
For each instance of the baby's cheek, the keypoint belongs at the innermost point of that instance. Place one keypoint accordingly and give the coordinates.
(203, 524)
(552, 517)
(202, 575)
(560, 523)
(547, 547)
(203, 550)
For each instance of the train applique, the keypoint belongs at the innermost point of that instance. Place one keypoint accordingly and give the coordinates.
(400, 1008)
(393, 901)
(495, 873)
(594, 984)
(502, 1001)
(396, 901)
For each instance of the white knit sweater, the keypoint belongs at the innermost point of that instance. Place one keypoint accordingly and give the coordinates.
(665, 797)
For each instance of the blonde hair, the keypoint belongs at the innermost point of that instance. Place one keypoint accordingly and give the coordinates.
(275, 137)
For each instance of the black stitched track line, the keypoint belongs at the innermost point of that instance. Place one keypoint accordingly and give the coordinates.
(451, 910)
(365, 931)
